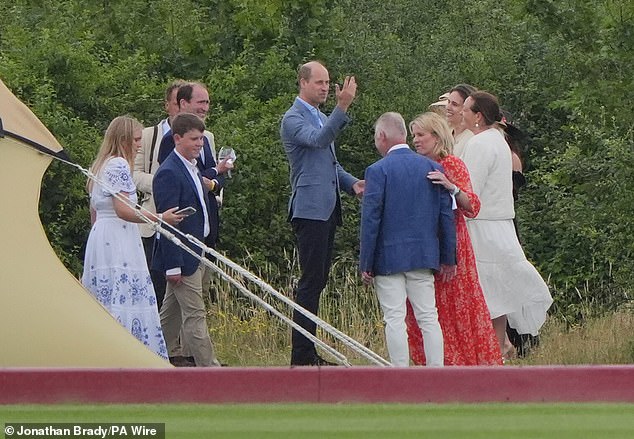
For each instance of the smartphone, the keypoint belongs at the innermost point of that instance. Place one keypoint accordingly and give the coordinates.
(186, 211)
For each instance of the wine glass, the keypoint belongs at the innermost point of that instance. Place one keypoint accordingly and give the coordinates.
(227, 152)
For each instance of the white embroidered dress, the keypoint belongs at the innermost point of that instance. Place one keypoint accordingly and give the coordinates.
(115, 269)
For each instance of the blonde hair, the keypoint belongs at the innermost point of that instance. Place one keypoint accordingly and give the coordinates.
(117, 142)
(438, 126)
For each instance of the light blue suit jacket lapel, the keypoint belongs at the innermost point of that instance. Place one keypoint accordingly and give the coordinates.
(324, 119)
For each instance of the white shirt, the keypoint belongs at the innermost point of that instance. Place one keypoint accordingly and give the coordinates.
(165, 127)
(395, 147)
(313, 110)
(193, 171)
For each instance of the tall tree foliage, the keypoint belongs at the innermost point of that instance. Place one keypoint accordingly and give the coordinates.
(563, 68)
(577, 211)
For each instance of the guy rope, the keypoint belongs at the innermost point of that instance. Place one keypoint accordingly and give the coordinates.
(178, 238)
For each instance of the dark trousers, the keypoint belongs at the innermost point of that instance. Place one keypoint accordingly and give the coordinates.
(315, 241)
(158, 278)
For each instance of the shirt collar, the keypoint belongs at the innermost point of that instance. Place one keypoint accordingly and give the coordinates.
(307, 105)
(313, 110)
(165, 126)
(191, 165)
(399, 146)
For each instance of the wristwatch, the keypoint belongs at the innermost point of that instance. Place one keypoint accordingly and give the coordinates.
(456, 190)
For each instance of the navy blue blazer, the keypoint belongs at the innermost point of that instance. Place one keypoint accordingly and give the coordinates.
(406, 221)
(315, 174)
(173, 186)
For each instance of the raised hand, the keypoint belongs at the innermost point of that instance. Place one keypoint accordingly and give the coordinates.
(346, 93)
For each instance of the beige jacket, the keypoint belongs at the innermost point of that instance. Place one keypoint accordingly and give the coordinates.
(146, 165)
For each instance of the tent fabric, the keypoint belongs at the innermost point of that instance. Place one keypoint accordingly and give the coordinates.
(47, 318)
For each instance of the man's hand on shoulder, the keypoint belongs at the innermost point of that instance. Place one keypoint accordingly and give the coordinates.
(346, 93)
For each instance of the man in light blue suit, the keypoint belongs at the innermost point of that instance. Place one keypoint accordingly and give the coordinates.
(407, 232)
(314, 208)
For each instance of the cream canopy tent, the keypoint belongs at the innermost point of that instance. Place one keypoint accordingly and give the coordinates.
(47, 318)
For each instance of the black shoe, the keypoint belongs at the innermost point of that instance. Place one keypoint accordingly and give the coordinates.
(318, 361)
(180, 361)
(296, 363)
(314, 361)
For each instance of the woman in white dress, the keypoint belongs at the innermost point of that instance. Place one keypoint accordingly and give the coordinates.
(455, 102)
(115, 269)
(512, 287)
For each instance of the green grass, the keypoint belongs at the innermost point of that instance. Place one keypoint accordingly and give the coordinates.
(507, 421)
(245, 334)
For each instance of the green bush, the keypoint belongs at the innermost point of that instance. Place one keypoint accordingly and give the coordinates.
(562, 68)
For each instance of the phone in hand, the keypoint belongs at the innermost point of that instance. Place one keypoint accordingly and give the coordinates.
(186, 211)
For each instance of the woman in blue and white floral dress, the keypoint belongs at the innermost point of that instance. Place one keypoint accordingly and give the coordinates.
(115, 269)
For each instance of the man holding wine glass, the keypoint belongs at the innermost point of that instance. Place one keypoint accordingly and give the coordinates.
(228, 153)
(193, 98)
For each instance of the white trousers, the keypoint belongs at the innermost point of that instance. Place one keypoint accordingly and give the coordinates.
(418, 287)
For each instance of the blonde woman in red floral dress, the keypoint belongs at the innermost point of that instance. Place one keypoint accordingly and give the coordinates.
(462, 311)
